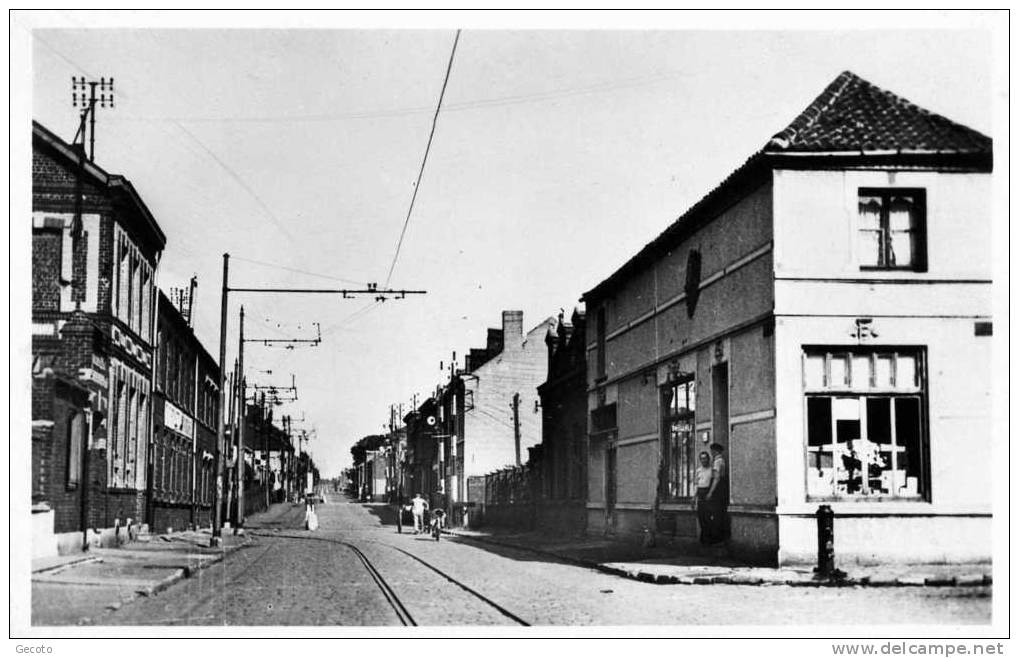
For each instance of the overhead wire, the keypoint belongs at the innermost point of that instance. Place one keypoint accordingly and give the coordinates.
(205, 149)
(481, 103)
(424, 160)
(298, 271)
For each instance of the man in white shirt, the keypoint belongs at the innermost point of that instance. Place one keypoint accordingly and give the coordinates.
(418, 506)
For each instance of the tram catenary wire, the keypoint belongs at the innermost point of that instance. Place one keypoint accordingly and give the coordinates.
(387, 591)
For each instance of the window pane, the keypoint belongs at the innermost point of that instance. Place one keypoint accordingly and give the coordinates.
(905, 372)
(883, 375)
(818, 421)
(691, 400)
(861, 372)
(846, 408)
(902, 213)
(813, 372)
(903, 250)
(869, 247)
(870, 212)
(879, 420)
(838, 370)
(75, 438)
(908, 436)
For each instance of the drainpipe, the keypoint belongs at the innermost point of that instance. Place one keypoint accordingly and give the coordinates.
(153, 319)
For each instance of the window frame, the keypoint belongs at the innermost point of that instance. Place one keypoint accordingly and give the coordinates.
(75, 448)
(892, 392)
(919, 195)
(668, 392)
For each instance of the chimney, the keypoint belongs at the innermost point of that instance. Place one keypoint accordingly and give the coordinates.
(513, 327)
(494, 343)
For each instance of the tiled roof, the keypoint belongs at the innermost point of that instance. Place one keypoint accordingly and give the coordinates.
(851, 114)
(851, 117)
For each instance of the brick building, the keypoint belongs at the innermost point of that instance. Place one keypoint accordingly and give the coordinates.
(181, 474)
(823, 314)
(500, 418)
(564, 427)
(95, 249)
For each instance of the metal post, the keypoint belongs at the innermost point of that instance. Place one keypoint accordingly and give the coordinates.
(217, 516)
(825, 542)
(516, 425)
(230, 477)
(242, 406)
(92, 123)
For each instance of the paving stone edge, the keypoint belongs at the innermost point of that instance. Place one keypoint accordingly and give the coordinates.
(740, 579)
(176, 576)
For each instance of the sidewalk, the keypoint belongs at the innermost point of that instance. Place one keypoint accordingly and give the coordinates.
(79, 589)
(663, 565)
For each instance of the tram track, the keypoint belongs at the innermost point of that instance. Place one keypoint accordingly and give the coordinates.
(391, 597)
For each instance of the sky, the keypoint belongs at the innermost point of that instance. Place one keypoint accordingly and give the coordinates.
(557, 155)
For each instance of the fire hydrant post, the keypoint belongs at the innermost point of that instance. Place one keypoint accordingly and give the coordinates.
(825, 542)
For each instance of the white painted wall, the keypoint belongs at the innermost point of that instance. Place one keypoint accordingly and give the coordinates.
(488, 428)
(820, 290)
(815, 222)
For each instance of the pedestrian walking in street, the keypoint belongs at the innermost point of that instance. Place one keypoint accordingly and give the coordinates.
(418, 507)
(703, 506)
(718, 496)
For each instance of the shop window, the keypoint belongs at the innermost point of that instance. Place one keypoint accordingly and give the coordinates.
(891, 229)
(865, 424)
(679, 446)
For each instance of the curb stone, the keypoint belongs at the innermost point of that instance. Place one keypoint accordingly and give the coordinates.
(922, 580)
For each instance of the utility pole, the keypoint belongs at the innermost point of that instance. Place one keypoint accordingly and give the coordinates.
(78, 98)
(217, 517)
(516, 425)
(242, 406)
(230, 477)
(371, 289)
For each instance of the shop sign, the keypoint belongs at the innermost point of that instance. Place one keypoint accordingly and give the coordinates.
(178, 421)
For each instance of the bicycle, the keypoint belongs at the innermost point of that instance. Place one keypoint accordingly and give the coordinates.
(438, 522)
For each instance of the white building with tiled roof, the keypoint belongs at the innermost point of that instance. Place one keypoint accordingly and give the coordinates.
(824, 315)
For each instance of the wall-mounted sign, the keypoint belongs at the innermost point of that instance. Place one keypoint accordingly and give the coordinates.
(863, 330)
(175, 419)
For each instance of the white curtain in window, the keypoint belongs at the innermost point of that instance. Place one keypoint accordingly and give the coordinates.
(902, 225)
(869, 211)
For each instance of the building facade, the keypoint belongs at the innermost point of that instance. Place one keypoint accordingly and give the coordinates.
(563, 447)
(501, 407)
(823, 314)
(185, 409)
(95, 250)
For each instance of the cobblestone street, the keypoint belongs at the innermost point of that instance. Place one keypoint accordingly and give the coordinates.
(288, 576)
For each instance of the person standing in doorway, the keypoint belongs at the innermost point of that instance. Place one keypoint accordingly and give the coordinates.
(418, 506)
(703, 506)
(718, 495)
